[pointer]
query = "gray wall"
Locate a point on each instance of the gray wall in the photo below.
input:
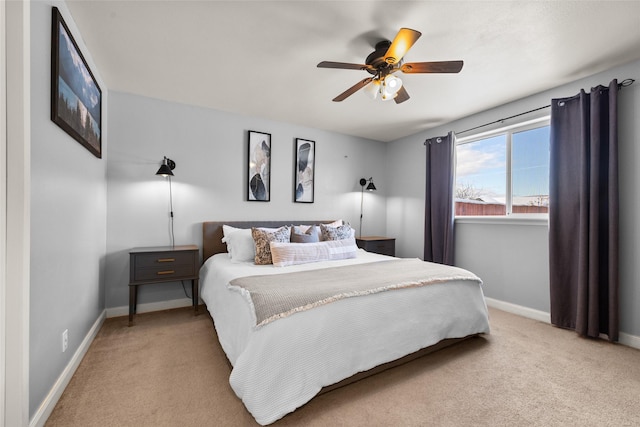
(513, 271)
(510, 258)
(210, 150)
(68, 221)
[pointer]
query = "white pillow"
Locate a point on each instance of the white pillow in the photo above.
(240, 245)
(284, 254)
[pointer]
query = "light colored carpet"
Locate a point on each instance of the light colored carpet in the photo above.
(169, 370)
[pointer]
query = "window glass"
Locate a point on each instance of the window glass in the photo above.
(481, 172)
(530, 171)
(505, 173)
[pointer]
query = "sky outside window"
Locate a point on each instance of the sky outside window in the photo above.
(482, 166)
(530, 154)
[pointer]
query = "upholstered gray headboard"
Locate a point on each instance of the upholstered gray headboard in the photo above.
(212, 232)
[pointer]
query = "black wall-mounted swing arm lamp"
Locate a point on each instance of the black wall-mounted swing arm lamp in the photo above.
(370, 187)
(167, 166)
(166, 170)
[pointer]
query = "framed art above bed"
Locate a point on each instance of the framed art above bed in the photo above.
(303, 189)
(259, 167)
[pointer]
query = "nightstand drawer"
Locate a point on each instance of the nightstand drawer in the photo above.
(163, 259)
(387, 248)
(163, 272)
(378, 244)
(150, 265)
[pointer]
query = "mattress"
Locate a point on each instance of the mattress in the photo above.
(280, 366)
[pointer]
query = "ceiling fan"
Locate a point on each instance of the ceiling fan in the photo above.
(384, 61)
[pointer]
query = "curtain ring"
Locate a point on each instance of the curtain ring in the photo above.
(438, 140)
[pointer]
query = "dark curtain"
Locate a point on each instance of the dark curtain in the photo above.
(583, 212)
(438, 217)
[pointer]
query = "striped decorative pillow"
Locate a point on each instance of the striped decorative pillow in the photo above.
(284, 254)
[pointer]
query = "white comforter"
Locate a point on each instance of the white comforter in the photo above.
(281, 366)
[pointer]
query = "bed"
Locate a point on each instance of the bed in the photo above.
(280, 362)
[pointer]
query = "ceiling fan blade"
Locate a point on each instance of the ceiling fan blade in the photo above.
(405, 38)
(353, 89)
(343, 65)
(432, 67)
(401, 96)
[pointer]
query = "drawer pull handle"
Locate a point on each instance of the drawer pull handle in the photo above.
(166, 272)
(166, 259)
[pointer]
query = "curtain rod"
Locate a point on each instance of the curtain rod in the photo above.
(502, 120)
(624, 83)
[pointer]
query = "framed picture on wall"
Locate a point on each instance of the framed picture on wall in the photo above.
(304, 171)
(76, 98)
(259, 167)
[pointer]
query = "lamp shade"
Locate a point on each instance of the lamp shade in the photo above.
(167, 166)
(390, 87)
(371, 186)
(373, 88)
(392, 84)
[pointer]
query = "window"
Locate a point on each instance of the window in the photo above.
(504, 172)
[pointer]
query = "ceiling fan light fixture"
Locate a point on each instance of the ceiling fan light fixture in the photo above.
(392, 84)
(373, 88)
(387, 96)
(390, 87)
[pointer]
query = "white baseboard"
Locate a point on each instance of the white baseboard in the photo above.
(623, 338)
(630, 340)
(519, 310)
(45, 409)
(148, 307)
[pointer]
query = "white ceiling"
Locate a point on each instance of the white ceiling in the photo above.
(259, 57)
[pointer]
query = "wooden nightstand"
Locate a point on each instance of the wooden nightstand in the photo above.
(162, 264)
(377, 244)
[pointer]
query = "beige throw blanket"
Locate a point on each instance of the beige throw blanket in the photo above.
(280, 295)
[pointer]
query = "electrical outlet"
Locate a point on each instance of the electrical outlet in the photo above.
(65, 340)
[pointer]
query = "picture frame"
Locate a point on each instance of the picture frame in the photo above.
(304, 171)
(76, 97)
(259, 167)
